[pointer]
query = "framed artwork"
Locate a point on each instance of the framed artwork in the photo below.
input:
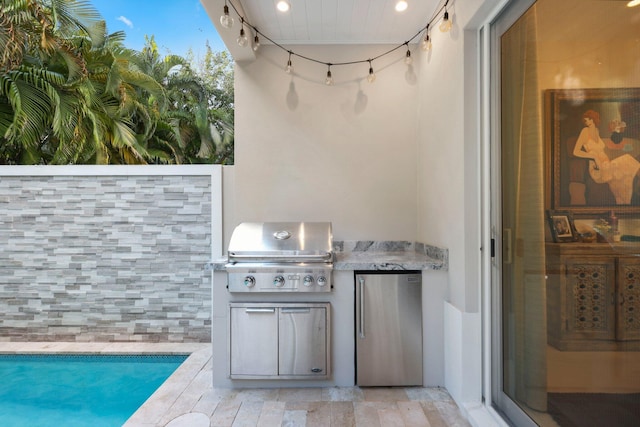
(593, 150)
(562, 227)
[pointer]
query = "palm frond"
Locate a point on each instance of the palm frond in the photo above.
(74, 15)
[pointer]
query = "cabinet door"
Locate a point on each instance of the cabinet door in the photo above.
(254, 341)
(628, 325)
(590, 292)
(303, 341)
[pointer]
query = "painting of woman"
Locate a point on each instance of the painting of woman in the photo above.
(619, 173)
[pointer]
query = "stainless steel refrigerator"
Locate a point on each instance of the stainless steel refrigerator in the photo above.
(388, 329)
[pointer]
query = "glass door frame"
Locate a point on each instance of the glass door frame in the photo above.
(495, 397)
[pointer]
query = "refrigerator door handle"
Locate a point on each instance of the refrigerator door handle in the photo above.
(361, 326)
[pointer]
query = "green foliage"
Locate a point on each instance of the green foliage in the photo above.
(70, 93)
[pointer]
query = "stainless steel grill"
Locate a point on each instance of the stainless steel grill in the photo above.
(281, 257)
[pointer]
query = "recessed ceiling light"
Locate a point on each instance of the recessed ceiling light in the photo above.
(401, 6)
(633, 3)
(283, 6)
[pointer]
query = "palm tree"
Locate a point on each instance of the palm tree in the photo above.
(71, 93)
(42, 71)
(71, 98)
(216, 72)
(195, 139)
(133, 101)
(43, 27)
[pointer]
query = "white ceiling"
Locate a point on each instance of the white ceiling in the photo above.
(325, 21)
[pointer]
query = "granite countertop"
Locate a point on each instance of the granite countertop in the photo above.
(379, 255)
(386, 261)
(388, 255)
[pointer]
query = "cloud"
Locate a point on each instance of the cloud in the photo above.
(126, 21)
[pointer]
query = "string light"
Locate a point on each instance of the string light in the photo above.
(372, 76)
(289, 68)
(407, 57)
(227, 22)
(426, 42)
(329, 80)
(242, 38)
(446, 22)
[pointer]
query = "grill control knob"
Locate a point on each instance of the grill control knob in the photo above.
(322, 281)
(308, 280)
(249, 281)
(278, 281)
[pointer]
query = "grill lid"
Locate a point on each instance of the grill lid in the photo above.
(281, 242)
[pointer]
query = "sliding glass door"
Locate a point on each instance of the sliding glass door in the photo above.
(566, 174)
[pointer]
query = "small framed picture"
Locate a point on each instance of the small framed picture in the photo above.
(562, 227)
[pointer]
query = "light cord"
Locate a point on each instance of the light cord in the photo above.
(334, 64)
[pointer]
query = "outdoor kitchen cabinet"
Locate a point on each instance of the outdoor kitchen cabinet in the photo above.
(254, 340)
(279, 340)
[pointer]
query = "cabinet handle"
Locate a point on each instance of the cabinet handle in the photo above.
(260, 310)
(295, 310)
(316, 370)
(361, 281)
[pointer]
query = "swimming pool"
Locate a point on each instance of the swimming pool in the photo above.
(78, 390)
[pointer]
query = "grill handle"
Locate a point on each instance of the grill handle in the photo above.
(326, 256)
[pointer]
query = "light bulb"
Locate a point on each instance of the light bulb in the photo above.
(372, 76)
(426, 43)
(289, 68)
(408, 59)
(633, 3)
(401, 6)
(329, 80)
(256, 43)
(445, 25)
(283, 6)
(242, 38)
(225, 20)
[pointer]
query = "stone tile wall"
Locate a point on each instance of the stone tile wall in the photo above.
(105, 258)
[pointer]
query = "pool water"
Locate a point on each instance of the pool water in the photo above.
(78, 390)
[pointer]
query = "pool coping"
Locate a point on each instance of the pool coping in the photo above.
(153, 410)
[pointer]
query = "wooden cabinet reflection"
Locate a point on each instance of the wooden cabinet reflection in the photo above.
(593, 296)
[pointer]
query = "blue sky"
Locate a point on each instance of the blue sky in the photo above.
(176, 24)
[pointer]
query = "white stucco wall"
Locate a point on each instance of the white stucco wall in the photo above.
(448, 151)
(449, 191)
(344, 153)
(441, 155)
